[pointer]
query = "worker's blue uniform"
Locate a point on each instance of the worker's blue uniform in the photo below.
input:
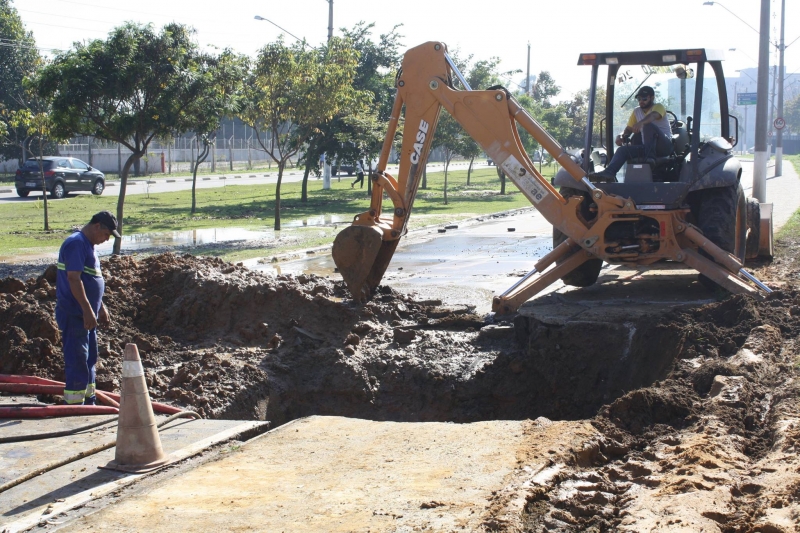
(77, 254)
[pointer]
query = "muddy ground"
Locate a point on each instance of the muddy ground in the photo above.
(698, 425)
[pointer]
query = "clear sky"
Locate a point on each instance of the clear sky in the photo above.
(558, 31)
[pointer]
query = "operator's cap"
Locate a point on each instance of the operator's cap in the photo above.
(645, 90)
(108, 220)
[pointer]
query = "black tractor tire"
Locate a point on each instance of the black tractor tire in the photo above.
(753, 228)
(721, 215)
(59, 191)
(23, 194)
(98, 187)
(587, 273)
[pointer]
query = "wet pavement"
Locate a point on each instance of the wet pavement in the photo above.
(467, 263)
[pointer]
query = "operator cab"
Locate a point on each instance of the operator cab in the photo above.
(691, 86)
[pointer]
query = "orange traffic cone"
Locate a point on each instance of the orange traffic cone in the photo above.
(138, 444)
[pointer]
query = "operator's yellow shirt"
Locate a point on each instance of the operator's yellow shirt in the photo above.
(662, 123)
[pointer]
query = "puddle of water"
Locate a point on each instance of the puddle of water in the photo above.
(465, 259)
(196, 237)
(140, 241)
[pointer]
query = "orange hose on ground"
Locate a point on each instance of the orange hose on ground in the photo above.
(108, 398)
(56, 410)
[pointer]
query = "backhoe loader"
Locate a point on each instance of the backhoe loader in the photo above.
(687, 207)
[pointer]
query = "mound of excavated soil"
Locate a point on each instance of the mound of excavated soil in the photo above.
(229, 342)
(713, 446)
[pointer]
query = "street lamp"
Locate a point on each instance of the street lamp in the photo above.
(745, 55)
(732, 13)
(257, 17)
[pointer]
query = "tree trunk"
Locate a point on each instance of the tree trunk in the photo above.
(281, 166)
(369, 180)
(123, 184)
(44, 186)
(502, 176)
(469, 169)
(446, 166)
(304, 186)
(200, 158)
(310, 155)
(424, 176)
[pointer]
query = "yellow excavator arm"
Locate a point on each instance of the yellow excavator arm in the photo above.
(362, 252)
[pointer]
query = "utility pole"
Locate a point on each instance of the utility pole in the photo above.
(528, 78)
(760, 156)
(771, 119)
(781, 68)
(330, 20)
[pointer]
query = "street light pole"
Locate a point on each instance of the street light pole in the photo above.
(257, 17)
(760, 156)
(779, 135)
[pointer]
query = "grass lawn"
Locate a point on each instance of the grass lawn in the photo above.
(251, 207)
(791, 230)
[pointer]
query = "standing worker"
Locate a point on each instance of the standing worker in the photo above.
(79, 305)
(359, 175)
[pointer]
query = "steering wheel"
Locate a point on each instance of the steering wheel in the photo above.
(672, 119)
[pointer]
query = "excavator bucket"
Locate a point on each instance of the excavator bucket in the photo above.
(354, 252)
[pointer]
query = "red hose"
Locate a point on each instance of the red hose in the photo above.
(11, 378)
(109, 398)
(104, 399)
(56, 410)
(31, 388)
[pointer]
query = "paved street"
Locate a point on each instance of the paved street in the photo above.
(239, 177)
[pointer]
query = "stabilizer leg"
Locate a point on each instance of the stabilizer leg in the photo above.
(509, 301)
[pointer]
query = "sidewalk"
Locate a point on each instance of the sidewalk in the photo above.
(783, 192)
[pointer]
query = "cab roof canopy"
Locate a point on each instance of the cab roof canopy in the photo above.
(654, 57)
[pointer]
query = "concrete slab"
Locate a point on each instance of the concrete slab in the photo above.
(621, 294)
(338, 474)
(33, 497)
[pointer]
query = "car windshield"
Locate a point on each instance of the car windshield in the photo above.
(676, 94)
(33, 164)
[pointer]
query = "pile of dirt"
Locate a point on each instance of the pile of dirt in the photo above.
(229, 342)
(712, 446)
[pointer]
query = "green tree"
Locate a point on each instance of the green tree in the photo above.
(290, 92)
(448, 137)
(545, 88)
(577, 114)
(358, 132)
(19, 59)
(791, 112)
(218, 99)
(131, 88)
(37, 126)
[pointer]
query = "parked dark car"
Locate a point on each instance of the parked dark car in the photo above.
(62, 175)
(344, 168)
